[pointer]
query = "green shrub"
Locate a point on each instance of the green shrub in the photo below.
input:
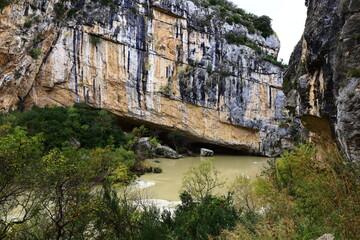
(231, 38)
(351, 94)
(236, 18)
(133, 9)
(35, 53)
(4, 3)
(213, 2)
(263, 24)
(286, 85)
(317, 193)
(72, 13)
(273, 60)
(60, 125)
(59, 9)
(167, 90)
(354, 73)
(28, 23)
(199, 220)
(284, 125)
(230, 20)
(18, 73)
(95, 39)
(37, 19)
(157, 170)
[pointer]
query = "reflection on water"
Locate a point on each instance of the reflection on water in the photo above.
(167, 184)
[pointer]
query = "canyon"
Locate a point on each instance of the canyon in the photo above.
(165, 63)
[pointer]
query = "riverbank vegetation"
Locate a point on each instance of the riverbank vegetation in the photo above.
(65, 174)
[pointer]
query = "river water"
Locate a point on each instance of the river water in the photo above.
(165, 187)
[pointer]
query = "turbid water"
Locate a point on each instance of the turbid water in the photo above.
(167, 185)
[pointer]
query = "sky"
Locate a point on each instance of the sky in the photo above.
(288, 20)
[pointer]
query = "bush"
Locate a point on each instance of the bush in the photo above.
(28, 23)
(236, 18)
(213, 2)
(167, 90)
(263, 24)
(231, 38)
(199, 220)
(201, 181)
(273, 60)
(230, 20)
(59, 9)
(4, 4)
(95, 40)
(354, 73)
(320, 193)
(35, 53)
(157, 170)
(72, 13)
(77, 125)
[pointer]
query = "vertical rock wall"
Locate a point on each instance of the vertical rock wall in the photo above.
(161, 62)
(323, 80)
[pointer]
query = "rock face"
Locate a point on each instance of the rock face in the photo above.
(206, 152)
(161, 62)
(323, 80)
(167, 152)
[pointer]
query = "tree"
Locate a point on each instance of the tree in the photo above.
(201, 181)
(19, 163)
(178, 140)
(263, 24)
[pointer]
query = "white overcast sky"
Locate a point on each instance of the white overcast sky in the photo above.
(288, 20)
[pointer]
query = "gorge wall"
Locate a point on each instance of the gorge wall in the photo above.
(323, 80)
(167, 62)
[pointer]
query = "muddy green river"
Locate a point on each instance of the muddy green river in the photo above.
(166, 185)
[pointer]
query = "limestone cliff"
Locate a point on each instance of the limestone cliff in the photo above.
(323, 80)
(172, 63)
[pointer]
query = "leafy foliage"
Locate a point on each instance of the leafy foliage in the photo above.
(198, 220)
(35, 53)
(304, 197)
(354, 73)
(202, 180)
(263, 24)
(4, 3)
(77, 125)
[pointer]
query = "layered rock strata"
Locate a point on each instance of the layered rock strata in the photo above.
(161, 62)
(323, 80)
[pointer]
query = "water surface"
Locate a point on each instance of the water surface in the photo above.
(166, 185)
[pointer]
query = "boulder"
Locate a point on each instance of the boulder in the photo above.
(326, 237)
(167, 152)
(206, 152)
(143, 147)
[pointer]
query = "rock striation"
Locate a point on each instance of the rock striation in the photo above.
(323, 80)
(166, 63)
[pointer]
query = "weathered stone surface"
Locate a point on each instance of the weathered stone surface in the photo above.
(324, 75)
(156, 63)
(144, 148)
(167, 152)
(326, 237)
(206, 152)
